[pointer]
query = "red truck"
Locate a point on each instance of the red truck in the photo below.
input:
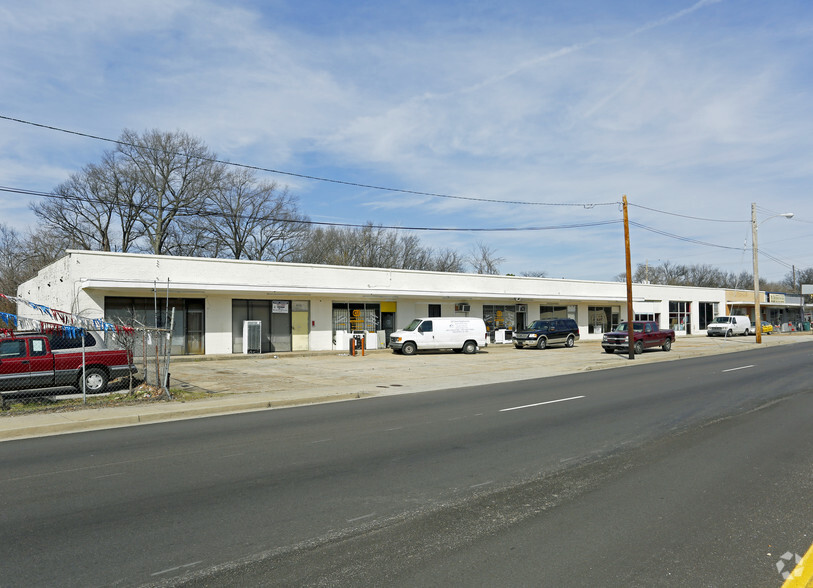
(647, 334)
(34, 360)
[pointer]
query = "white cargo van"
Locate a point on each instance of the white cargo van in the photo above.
(457, 333)
(726, 326)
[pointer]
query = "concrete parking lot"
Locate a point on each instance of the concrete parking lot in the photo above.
(238, 382)
(382, 372)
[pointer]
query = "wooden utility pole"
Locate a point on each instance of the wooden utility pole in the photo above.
(630, 315)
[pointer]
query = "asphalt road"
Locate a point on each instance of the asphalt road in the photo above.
(684, 473)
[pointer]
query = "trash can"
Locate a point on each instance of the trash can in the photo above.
(806, 325)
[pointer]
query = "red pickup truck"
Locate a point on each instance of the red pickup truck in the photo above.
(647, 334)
(30, 361)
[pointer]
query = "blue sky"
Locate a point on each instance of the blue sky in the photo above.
(692, 108)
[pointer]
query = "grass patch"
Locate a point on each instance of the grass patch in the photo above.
(55, 403)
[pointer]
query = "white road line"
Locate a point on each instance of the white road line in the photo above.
(176, 568)
(540, 403)
(367, 516)
(745, 367)
(483, 484)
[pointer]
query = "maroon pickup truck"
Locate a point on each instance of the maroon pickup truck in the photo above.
(30, 361)
(646, 333)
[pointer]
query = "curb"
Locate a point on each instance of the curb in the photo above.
(191, 412)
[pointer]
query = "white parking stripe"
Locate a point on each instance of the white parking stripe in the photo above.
(745, 367)
(540, 403)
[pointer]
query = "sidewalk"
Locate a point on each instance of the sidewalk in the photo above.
(238, 383)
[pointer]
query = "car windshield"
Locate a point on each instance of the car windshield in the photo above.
(413, 325)
(538, 326)
(637, 327)
(721, 319)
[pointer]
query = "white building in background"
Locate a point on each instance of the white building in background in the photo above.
(314, 307)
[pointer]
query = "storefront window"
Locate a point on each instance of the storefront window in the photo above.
(602, 319)
(356, 316)
(499, 316)
(275, 315)
(680, 318)
(551, 312)
(706, 311)
(188, 322)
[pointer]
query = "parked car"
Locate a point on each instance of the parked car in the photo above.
(28, 361)
(461, 334)
(646, 334)
(726, 326)
(767, 328)
(545, 332)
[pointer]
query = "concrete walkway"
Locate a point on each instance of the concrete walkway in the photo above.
(240, 383)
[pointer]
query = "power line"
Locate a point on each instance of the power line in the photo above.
(203, 212)
(707, 244)
(586, 205)
(698, 218)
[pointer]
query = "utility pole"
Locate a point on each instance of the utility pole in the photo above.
(757, 312)
(630, 316)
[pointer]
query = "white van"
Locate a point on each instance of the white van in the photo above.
(725, 326)
(457, 333)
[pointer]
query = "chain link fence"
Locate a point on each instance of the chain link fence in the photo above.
(45, 364)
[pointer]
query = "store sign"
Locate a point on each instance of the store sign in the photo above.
(776, 298)
(279, 306)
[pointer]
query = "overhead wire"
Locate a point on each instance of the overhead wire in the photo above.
(203, 212)
(307, 176)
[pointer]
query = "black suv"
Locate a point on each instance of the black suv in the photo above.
(546, 332)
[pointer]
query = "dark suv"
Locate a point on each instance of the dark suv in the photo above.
(546, 332)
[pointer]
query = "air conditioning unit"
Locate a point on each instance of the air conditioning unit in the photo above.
(462, 307)
(252, 336)
(522, 308)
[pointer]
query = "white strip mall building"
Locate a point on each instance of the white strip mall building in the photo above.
(299, 307)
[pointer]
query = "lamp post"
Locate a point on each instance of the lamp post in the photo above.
(754, 225)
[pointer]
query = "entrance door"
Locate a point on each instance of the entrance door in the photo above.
(280, 336)
(299, 329)
(388, 325)
(194, 331)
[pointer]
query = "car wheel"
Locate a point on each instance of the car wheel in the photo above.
(571, 341)
(728, 333)
(609, 350)
(746, 333)
(469, 347)
(409, 349)
(638, 348)
(95, 381)
(542, 343)
(518, 346)
(667, 345)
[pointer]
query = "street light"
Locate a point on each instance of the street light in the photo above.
(754, 225)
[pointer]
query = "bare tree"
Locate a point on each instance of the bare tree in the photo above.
(446, 260)
(534, 274)
(11, 267)
(254, 220)
(483, 260)
(374, 246)
(83, 211)
(175, 174)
